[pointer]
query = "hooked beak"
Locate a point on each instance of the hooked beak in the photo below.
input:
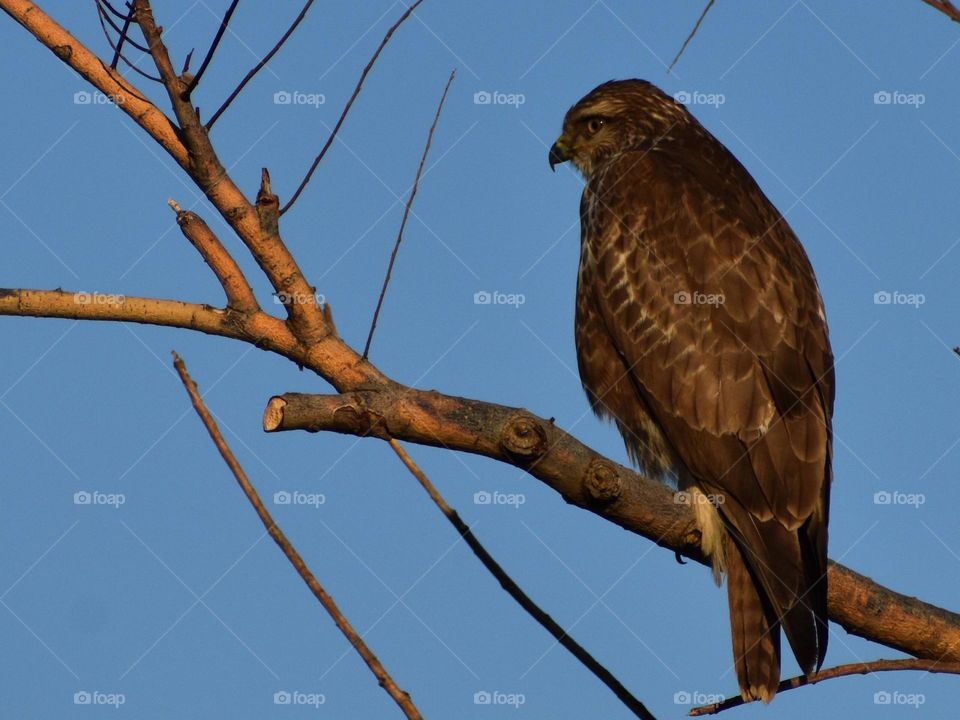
(559, 153)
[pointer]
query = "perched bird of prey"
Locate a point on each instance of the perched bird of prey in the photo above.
(701, 333)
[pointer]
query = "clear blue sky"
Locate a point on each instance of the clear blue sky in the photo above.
(178, 601)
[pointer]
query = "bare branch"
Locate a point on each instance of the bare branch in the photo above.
(213, 48)
(108, 81)
(346, 108)
(399, 696)
(517, 593)
(406, 214)
(256, 227)
(238, 291)
(692, 33)
(946, 7)
(862, 668)
(587, 479)
(260, 65)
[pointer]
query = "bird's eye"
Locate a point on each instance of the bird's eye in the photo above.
(594, 125)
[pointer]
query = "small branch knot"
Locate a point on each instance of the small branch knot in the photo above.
(524, 437)
(602, 482)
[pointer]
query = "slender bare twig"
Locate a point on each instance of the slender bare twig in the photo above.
(517, 593)
(692, 33)
(946, 7)
(861, 668)
(346, 108)
(399, 696)
(124, 36)
(406, 214)
(213, 48)
(259, 66)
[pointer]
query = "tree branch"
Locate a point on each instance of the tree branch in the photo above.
(863, 668)
(586, 479)
(406, 214)
(399, 696)
(239, 293)
(517, 593)
(346, 108)
(260, 65)
(946, 7)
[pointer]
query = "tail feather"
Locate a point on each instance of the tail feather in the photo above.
(755, 630)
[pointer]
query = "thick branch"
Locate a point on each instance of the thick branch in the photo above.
(108, 81)
(587, 479)
(238, 291)
(208, 173)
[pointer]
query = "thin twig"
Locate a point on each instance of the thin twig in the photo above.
(383, 677)
(946, 7)
(406, 214)
(346, 108)
(692, 33)
(124, 36)
(213, 48)
(514, 590)
(259, 66)
(861, 668)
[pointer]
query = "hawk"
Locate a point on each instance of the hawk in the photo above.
(701, 333)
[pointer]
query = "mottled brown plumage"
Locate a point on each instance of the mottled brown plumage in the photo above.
(701, 333)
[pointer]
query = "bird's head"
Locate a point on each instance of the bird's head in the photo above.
(617, 116)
